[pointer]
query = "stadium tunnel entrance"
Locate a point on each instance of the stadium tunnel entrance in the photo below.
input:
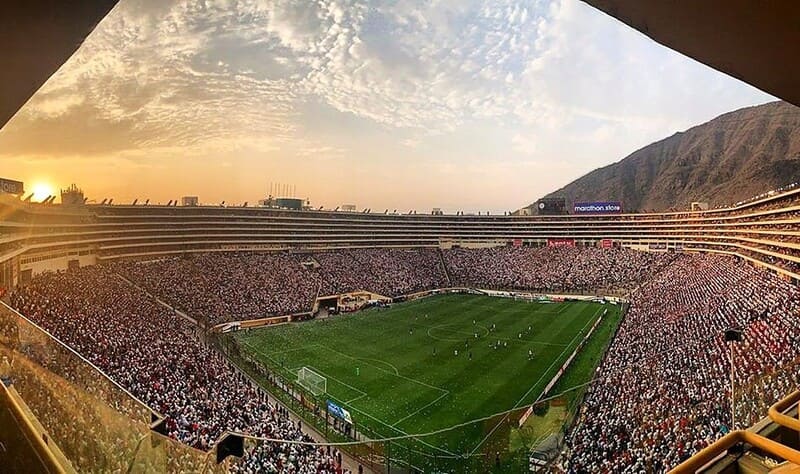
(349, 302)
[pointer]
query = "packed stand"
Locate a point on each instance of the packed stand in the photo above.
(568, 269)
(152, 353)
(662, 391)
(225, 287)
(228, 286)
(388, 272)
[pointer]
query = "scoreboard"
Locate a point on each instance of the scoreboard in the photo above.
(551, 206)
(11, 187)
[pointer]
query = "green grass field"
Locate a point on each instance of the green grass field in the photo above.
(396, 370)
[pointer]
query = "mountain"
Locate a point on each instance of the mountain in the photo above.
(733, 157)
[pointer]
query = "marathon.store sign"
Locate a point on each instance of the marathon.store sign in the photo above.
(611, 207)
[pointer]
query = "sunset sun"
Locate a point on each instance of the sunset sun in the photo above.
(41, 190)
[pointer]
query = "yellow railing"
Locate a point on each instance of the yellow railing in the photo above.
(48, 455)
(95, 423)
(722, 445)
(777, 413)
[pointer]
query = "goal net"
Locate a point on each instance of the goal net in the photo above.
(312, 381)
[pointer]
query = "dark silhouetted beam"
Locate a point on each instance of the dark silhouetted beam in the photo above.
(37, 37)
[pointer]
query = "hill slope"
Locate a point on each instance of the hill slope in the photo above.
(733, 157)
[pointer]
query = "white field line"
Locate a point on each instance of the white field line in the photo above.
(367, 395)
(417, 411)
(516, 405)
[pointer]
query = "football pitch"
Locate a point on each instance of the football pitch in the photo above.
(430, 364)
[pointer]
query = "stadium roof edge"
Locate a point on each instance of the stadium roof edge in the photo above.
(751, 41)
(38, 36)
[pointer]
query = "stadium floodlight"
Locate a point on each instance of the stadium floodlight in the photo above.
(312, 381)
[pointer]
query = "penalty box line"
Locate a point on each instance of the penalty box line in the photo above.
(392, 427)
(444, 392)
(419, 382)
(361, 392)
(396, 374)
(398, 430)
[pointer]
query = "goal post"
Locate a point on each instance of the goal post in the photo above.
(312, 381)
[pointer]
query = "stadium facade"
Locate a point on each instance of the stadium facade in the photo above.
(38, 238)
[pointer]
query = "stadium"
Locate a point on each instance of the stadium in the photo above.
(213, 338)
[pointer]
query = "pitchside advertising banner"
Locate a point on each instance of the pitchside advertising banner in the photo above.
(605, 207)
(339, 412)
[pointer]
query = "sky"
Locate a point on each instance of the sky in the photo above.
(398, 104)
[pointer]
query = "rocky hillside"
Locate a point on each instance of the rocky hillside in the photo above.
(733, 157)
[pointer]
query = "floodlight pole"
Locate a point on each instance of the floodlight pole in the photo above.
(733, 396)
(733, 335)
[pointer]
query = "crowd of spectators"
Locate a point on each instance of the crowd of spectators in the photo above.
(238, 286)
(387, 272)
(565, 268)
(228, 286)
(154, 354)
(225, 287)
(662, 392)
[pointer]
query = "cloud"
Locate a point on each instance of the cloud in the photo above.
(523, 144)
(359, 82)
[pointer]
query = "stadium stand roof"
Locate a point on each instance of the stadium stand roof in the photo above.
(756, 42)
(37, 37)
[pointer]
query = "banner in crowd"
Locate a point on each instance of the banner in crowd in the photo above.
(605, 207)
(560, 242)
(517, 242)
(339, 412)
(606, 243)
(660, 247)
